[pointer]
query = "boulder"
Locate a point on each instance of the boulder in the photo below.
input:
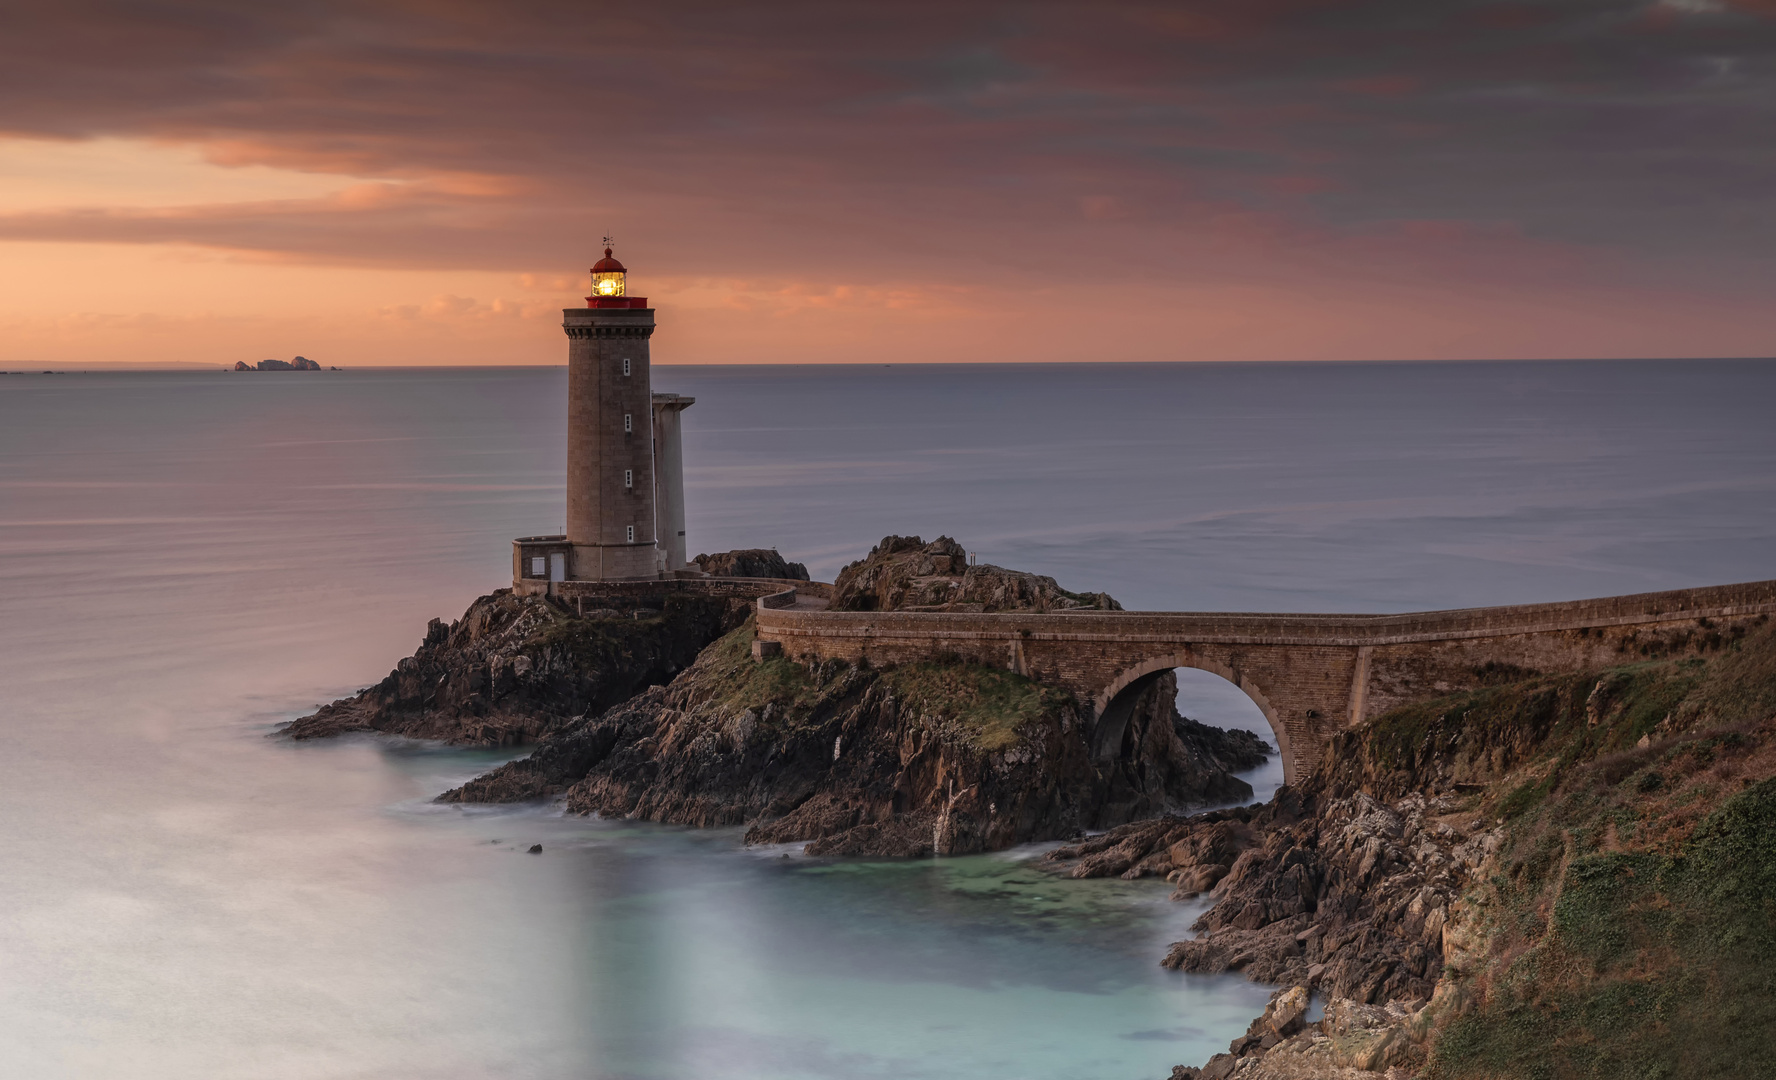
(1284, 1016)
(751, 562)
(1220, 1067)
(904, 573)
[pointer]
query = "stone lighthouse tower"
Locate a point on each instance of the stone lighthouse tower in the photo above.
(610, 439)
(623, 486)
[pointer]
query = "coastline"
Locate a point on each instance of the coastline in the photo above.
(1361, 888)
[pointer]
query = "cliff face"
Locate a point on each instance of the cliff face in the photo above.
(513, 669)
(1552, 877)
(940, 757)
(1629, 914)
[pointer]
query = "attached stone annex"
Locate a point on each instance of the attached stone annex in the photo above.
(1310, 674)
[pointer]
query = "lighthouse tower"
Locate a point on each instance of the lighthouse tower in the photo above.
(623, 486)
(610, 438)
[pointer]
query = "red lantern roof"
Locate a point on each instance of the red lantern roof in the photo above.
(607, 264)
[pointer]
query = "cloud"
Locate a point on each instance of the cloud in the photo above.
(847, 160)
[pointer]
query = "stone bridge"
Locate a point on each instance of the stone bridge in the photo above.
(1310, 674)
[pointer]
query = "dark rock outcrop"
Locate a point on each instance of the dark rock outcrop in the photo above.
(751, 562)
(903, 573)
(514, 668)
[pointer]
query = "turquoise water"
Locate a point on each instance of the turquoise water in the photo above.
(188, 559)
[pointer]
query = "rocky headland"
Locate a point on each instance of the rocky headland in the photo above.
(941, 757)
(664, 714)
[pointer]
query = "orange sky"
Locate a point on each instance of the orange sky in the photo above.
(420, 182)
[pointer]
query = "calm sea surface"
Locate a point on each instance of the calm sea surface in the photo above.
(187, 560)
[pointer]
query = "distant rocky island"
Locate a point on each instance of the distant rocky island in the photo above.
(299, 363)
(1544, 874)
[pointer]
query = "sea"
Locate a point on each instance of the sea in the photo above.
(190, 559)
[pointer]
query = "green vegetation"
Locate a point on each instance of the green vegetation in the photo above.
(991, 703)
(1649, 965)
(746, 683)
(1631, 917)
(581, 637)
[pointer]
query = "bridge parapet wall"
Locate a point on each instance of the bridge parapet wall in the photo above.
(654, 590)
(1310, 673)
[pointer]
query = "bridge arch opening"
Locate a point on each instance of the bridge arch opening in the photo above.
(1210, 699)
(1209, 693)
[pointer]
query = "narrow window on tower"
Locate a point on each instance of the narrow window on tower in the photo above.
(625, 365)
(628, 423)
(632, 534)
(628, 478)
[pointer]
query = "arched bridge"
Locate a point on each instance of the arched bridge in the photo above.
(1310, 674)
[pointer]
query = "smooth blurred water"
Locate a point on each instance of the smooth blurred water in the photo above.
(188, 559)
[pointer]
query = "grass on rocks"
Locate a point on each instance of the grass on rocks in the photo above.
(991, 703)
(750, 684)
(1639, 963)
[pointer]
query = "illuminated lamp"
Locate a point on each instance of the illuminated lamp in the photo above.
(607, 277)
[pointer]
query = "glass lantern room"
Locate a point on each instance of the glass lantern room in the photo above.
(607, 277)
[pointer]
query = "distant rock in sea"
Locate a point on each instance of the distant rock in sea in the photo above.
(300, 363)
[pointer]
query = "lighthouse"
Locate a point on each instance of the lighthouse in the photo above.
(625, 485)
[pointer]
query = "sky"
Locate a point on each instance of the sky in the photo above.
(421, 182)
